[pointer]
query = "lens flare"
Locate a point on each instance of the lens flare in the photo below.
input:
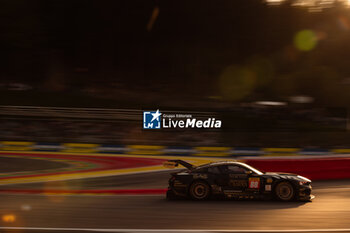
(305, 40)
(26, 207)
(8, 218)
(237, 83)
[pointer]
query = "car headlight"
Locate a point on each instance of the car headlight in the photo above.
(304, 178)
(303, 182)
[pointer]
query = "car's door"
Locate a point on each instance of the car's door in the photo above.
(236, 177)
(218, 177)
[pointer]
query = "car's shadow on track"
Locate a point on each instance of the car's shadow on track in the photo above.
(257, 204)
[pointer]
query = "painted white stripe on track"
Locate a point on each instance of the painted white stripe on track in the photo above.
(170, 230)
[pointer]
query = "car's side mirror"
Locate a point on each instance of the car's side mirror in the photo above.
(248, 172)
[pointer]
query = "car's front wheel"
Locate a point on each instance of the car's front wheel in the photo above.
(284, 191)
(199, 190)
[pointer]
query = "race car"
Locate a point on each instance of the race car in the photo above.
(230, 179)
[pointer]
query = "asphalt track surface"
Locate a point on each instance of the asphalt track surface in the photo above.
(329, 210)
(152, 180)
(10, 164)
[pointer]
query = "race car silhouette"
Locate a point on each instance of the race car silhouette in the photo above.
(235, 180)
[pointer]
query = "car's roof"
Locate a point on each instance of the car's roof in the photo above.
(220, 163)
(213, 164)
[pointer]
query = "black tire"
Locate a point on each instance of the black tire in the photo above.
(199, 191)
(284, 191)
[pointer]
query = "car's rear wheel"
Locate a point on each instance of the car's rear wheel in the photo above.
(284, 191)
(199, 190)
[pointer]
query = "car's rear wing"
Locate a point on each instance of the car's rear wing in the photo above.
(175, 163)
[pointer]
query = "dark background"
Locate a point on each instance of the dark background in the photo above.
(90, 45)
(218, 56)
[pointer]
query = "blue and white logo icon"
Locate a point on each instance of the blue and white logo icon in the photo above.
(151, 120)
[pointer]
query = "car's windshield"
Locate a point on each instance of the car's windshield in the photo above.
(256, 171)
